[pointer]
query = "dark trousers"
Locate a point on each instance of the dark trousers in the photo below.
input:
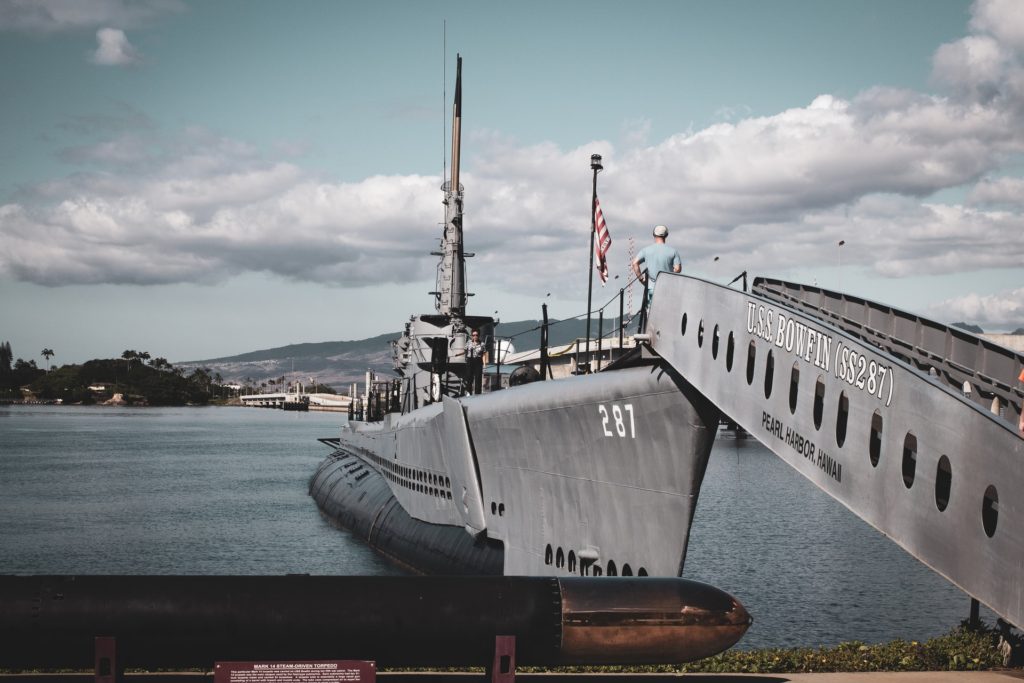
(476, 375)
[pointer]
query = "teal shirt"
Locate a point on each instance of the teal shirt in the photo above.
(656, 258)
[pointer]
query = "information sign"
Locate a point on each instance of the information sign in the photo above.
(315, 671)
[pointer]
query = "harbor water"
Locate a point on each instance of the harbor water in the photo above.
(218, 490)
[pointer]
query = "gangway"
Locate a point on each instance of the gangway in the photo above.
(909, 424)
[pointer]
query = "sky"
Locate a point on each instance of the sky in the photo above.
(202, 179)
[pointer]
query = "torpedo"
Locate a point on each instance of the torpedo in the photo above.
(194, 621)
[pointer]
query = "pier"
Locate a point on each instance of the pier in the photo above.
(328, 402)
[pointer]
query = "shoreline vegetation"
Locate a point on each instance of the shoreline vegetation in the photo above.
(134, 379)
(965, 648)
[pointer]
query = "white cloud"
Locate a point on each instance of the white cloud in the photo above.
(113, 48)
(1006, 191)
(50, 16)
(986, 67)
(767, 193)
(973, 65)
(1003, 311)
(1002, 19)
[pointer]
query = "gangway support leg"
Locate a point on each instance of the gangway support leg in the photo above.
(975, 618)
(503, 667)
(106, 667)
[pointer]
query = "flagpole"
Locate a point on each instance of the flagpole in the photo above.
(595, 164)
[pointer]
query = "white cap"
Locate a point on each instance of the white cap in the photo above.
(660, 231)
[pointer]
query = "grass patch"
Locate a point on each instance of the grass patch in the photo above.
(965, 648)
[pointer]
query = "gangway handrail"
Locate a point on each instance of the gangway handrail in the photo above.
(949, 354)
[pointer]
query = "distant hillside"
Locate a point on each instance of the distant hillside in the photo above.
(973, 329)
(312, 349)
(339, 363)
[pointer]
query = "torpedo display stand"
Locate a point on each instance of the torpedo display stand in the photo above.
(314, 671)
(107, 670)
(503, 667)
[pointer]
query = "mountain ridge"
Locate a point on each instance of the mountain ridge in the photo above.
(339, 363)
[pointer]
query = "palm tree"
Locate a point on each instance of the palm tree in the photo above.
(129, 355)
(48, 354)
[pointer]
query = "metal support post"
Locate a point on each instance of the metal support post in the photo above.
(544, 369)
(622, 317)
(595, 164)
(503, 668)
(106, 668)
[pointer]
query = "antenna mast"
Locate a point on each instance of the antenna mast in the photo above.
(451, 290)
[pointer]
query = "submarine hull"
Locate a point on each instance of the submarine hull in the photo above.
(576, 477)
(355, 497)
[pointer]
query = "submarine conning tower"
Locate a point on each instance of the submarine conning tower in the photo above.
(430, 355)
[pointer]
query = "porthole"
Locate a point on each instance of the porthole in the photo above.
(751, 356)
(769, 373)
(682, 326)
(611, 568)
(501, 509)
(714, 343)
(641, 572)
(572, 561)
(626, 571)
(700, 334)
(730, 346)
(842, 414)
(494, 508)
(875, 443)
(909, 459)
(559, 559)
(549, 555)
(943, 483)
(990, 511)
(794, 384)
(819, 401)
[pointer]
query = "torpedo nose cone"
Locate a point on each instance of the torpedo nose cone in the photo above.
(647, 620)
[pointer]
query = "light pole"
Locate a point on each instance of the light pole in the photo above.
(595, 165)
(839, 250)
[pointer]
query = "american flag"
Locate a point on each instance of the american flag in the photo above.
(602, 243)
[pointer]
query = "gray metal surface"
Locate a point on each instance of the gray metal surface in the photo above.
(591, 475)
(460, 464)
(597, 473)
(935, 472)
(983, 371)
